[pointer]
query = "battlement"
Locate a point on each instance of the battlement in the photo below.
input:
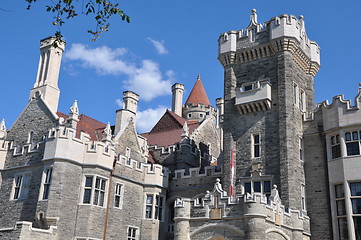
(282, 33)
(24, 230)
(339, 113)
(198, 172)
(154, 174)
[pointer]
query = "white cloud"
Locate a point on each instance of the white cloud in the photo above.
(159, 46)
(148, 118)
(146, 80)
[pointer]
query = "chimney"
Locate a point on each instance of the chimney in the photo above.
(177, 98)
(123, 116)
(46, 84)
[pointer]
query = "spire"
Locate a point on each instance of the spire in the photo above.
(198, 94)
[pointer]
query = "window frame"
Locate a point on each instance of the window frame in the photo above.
(20, 190)
(154, 210)
(335, 143)
(119, 194)
(354, 141)
(256, 146)
(95, 191)
(130, 230)
(46, 180)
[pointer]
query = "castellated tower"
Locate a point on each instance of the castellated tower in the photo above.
(46, 83)
(269, 74)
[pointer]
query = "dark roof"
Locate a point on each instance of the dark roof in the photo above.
(198, 94)
(88, 125)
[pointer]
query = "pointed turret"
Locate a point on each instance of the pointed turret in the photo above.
(197, 106)
(198, 95)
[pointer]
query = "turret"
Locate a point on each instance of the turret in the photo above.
(73, 115)
(46, 83)
(197, 107)
(269, 74)
(177, 98)
(123, 116)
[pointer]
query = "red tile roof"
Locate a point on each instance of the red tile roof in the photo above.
(88, 125)
(168, 130)
(198, 94)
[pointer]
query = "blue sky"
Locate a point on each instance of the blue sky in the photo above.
(166, 42)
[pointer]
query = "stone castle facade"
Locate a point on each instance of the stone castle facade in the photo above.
(263, 164)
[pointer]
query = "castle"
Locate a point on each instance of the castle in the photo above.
(263, 164)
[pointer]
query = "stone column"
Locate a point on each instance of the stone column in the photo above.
(181, 219)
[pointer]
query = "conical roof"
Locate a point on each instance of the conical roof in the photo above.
(198, 94)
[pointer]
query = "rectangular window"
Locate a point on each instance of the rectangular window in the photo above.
(46, 182)
(335, 146)
(149, 206)
(302, 102)
(301, 148)
(94, 190)
(341, 212)
(258, 186)
(118, 197)
(352, 143)
(256, 145)
(295, 94)
(303, 197)
(247, 188)
(154, 204)
(127, 155)
(132, 233)
(21, 186)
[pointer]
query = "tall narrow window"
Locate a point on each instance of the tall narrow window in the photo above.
(46, 182)
(118, 197)
(21, 186)
(149, 206)
(303, 197)
(341, 212)
(256, 145)
(127, 155)
(352, 143)
(159, 208)
(99, 192)
(132, 233)
(335, 146)
(302, 101)
(295, 94)
(301, 148)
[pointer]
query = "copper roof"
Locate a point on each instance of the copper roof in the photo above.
(168, 130)
(198, 94)
(88, 125)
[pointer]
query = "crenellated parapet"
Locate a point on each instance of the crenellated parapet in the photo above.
(338, 113)
(154, 174)
(258, 214)
(282, 33)
(211, 171)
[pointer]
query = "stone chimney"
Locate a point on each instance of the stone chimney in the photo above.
(123, 116)
(177, 98)
(46, 83)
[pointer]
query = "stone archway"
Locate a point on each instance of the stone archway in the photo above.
(217, 231)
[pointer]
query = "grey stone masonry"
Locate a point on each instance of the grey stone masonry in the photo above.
(268, 86)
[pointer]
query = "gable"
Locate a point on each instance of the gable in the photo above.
(129, 139)
(168, 122)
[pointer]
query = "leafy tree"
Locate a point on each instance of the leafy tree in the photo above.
(102, 10)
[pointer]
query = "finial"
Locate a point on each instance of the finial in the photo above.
(300, 17)
(199, 77)
(74, 108)
(2, 125)
(185, 130)
(107, 134)
(254, 17)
